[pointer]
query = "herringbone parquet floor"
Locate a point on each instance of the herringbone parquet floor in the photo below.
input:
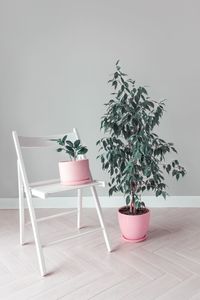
(164, 267)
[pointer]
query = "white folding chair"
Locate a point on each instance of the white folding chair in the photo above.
(46, 188)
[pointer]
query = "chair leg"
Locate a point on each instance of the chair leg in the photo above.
(100, 216)
(36, 234)
(21, 207)
(21, 217)
(79, 208)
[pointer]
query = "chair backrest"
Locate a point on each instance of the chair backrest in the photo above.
(37, 142)
(43, 141)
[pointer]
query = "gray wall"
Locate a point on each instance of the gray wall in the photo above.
(55, 60)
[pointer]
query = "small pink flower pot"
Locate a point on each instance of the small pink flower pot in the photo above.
(74, 172)
(134, 227)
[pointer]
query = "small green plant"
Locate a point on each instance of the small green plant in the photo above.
(73, 149)
(131, 152)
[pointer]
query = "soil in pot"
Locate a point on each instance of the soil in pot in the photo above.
(126, 210)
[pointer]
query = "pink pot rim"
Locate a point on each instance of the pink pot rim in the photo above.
(72, 161)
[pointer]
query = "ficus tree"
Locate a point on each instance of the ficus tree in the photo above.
(131, 151)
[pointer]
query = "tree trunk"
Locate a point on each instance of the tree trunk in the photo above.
(132, 205)
(132, 202)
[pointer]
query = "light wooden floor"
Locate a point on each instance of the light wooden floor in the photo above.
(165, 267)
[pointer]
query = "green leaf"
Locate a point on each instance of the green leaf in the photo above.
(174, 149)
(174, 172)
(114, 84)
(77, 143)
(144, 188)
(168, 168)
(64, 139)
(69, 143)
(116, 75)
(59, 141)
(183, 173)
(68, 148)
(158, 193)
(106, 165)
(59, 149)
(102, 159)
(144, 90)
(110, 192)
(82, 151)
(104, 144)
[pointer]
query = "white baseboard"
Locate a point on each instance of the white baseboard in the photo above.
(70, 202)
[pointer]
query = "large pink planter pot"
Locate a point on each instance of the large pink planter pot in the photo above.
(74, 172)
(134, 227)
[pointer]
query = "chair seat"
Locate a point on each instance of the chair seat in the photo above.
(45, 188)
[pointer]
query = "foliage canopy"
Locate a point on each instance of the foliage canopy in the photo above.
(131, 152)
(72, 149)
